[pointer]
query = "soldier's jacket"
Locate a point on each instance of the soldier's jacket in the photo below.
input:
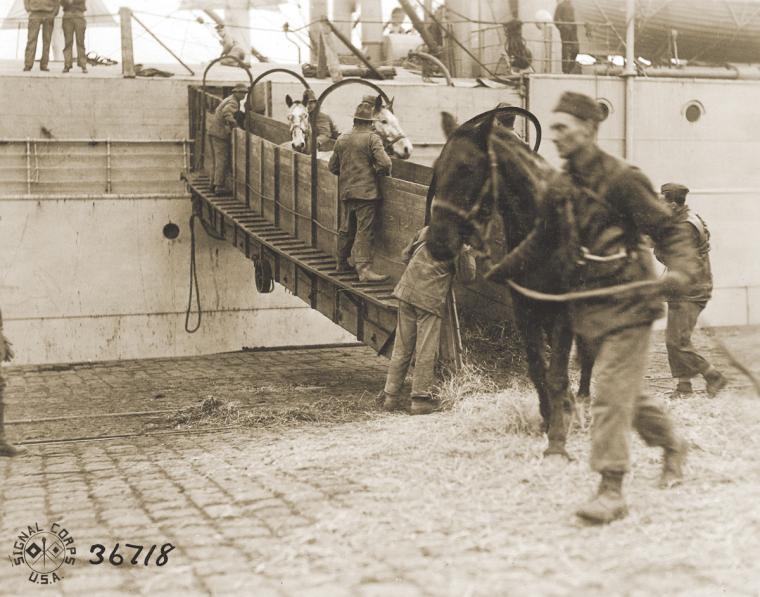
(701, 288)
(603, 207)
(50, 6)
(326, 126)
(425, 282)
(222, 121)
(74, 7)
(358, 158)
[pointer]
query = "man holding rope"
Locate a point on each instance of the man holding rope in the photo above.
(595, 212)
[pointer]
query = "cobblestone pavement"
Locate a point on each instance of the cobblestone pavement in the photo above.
(381, 504)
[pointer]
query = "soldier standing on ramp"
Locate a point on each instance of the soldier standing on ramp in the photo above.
(220, 128)
(595, 213)
(684, 308)
(358, 159)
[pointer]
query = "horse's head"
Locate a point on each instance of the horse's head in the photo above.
(298, 120)
(460, 176)
(479, 166)
(387, 126)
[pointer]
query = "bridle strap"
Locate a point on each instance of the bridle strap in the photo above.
(393, 140)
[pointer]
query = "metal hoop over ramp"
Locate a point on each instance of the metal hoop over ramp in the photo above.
(240, 64)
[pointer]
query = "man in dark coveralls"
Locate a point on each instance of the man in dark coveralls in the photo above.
(684, 308)
(564, 20)
(595, 212)
(359, 159)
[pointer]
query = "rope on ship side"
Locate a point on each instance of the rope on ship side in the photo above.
(194, 276)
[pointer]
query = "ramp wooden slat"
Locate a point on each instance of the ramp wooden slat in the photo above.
(364, 309)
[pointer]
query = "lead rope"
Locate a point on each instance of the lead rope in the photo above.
(194, 276)
(609, 291)
(193, 283)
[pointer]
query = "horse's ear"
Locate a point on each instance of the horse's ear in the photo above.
(378, 103)
(288, 100)
(390, 104)
(448, 123)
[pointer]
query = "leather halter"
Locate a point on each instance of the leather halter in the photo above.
(482, 209)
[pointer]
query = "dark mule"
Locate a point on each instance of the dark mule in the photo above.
(483, 168)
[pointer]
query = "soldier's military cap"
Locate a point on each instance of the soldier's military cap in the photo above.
(363, 112)
(240, 87)
(309, 96)
(673, 188)
(579, 105)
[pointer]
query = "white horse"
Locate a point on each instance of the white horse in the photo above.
(298, 120)
(396, 143)
(385, 123)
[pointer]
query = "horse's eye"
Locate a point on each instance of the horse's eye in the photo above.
(384, 121)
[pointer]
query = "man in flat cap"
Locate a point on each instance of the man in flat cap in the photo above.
(221, 124)
(327, 132)
(594, 215)
(359, 159)
(684, 307)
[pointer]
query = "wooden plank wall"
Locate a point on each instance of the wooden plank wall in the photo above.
(283, 178)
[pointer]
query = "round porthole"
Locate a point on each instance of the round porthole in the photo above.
(606, 107)
(693, 111)
(171, 231)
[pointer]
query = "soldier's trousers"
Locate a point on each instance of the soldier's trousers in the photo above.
(219, 157)
(357, 230)
(38, 19)
(619, 404)
(684, 360)
(417, 331)
(74, 26)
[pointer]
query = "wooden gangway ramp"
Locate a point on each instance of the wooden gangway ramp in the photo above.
(367, 310)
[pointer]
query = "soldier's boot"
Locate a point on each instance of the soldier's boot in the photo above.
(608, 504)
(367, 275)
(424, 405)
(716, 381)
(344, 265)
(672, 464)
(683, 390)
(390, 402)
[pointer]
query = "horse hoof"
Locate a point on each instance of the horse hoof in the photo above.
(556, 455)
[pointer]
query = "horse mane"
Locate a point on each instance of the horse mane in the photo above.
(519, 164)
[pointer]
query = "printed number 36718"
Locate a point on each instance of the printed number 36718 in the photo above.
(117, 559)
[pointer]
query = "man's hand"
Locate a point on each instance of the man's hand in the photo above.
(675, 283)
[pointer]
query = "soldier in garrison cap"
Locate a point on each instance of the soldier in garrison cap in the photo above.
(221, 124)
(684, 307)
(594, 215)
(359, 159)
(327, 132)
